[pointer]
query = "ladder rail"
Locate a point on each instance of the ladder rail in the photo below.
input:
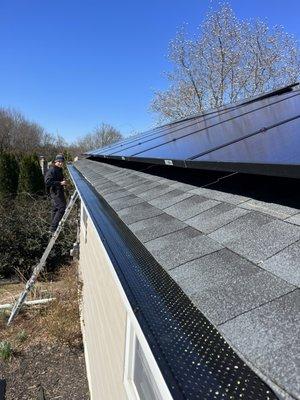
(40, 266)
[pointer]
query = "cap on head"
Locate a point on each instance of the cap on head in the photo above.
(60, 158)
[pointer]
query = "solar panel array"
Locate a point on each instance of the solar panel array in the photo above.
(260, 135)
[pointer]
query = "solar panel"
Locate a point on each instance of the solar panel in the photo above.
(107, 149)
(165, 129)
(272, 151)
(262, 130)
(136, 140)
(273, 144)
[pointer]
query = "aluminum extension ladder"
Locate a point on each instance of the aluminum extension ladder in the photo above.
(40, 266)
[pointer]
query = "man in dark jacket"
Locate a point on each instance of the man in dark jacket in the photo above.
(55, 182)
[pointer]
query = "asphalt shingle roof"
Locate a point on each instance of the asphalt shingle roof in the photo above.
(236, 257)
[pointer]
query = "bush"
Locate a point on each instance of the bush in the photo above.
(9, 176)
(22, 336)
(4, 315)
(24, 235)
(62, 318)
(5, 350)
(31, 179)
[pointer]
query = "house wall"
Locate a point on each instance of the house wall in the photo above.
(104, 318)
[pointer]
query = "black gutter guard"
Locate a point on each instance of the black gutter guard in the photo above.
(194, 359)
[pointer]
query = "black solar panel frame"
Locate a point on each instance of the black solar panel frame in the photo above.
(190, 162)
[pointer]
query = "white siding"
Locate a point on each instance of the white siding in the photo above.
(104, 320)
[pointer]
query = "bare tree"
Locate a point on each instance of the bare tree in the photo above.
(26, 137)
(20, 136)
(23, 137)
(6, 127)
(17, 134)
(228, 60)
(102, 135)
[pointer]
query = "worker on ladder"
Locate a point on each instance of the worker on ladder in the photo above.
(55, 183)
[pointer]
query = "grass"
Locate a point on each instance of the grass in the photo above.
(5, 351)
(62, 317)
(4, 315)
(22, 336)
(57, 321)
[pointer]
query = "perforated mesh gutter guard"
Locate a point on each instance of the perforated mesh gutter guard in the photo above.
(196, 362)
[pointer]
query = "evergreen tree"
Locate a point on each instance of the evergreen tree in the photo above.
(9, 175)
(31, 177)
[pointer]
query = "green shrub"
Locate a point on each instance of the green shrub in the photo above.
(31, 179)
(4, 314)
(22, 336)
(5, 350)
(24, 236)
(9, 176)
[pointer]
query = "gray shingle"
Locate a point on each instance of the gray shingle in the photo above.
(109, 170)
(159, 179)
(117, 194)
(105, 174)
(155, 192)
(275, 210)
(260, 242)
(81, 165)
(127, 182)
(224, 285)
(245, 225)
(182, 186)
(184, 250)
(138, 212)
(130, 188)
(101, 186)
(295, 219)
(269, 330)
(135, 184)
(99, 180)
(257, 236)
(159, 243)
(139, 174)
(283, 367)
(139, 189)
(116, 174)
(152, 228)
(286, 264)
(109, 187)
(130, 180)
(125, 202)
(190, 207)
(170, 198)
(126, 176)
(216, 217)
(220, 196)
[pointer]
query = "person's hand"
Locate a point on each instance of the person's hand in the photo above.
(63, 183)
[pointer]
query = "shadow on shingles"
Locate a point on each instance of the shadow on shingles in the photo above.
(283, 191)
(265, 188)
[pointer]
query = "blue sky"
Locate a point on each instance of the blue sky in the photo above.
(70, 65)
